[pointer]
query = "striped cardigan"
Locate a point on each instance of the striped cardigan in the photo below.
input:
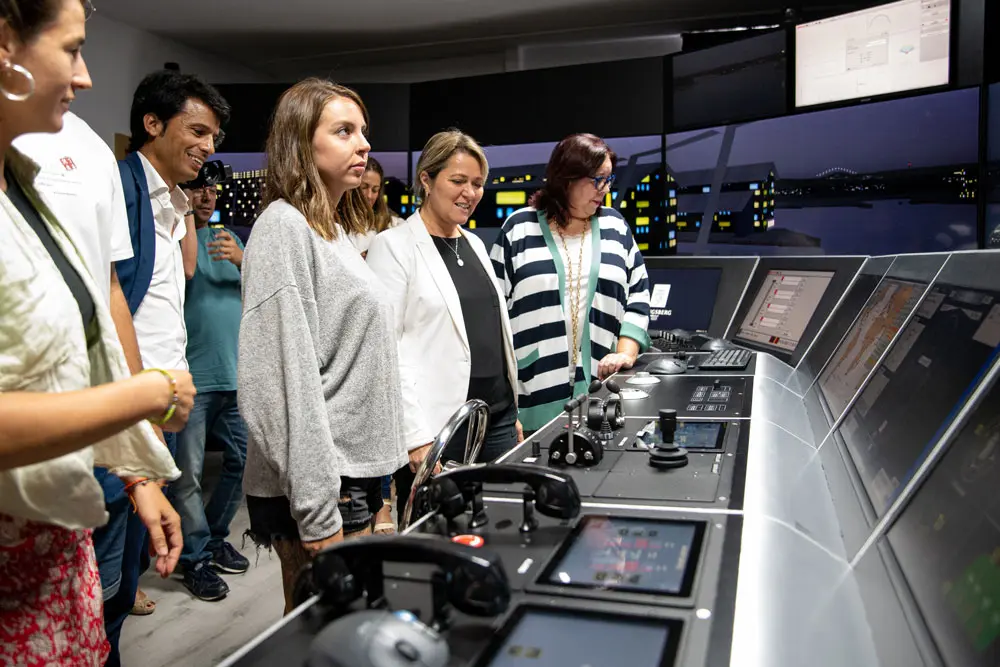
(531, 272)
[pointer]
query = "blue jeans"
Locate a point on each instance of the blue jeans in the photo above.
(205, 528)
(122, 549)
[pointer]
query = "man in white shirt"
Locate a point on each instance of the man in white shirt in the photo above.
(175, 125)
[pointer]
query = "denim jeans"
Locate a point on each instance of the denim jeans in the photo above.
(122, 550)
(215, 415)
(500, 439)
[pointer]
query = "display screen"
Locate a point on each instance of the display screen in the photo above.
(640, 555)
(699, 435)
(783, 307)
(839, 323)
(886, 49)
(682, 298)
(564, 638)
(947, 543)
(939, 357)
(859, 351)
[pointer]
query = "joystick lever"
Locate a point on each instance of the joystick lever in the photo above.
(665, 454)
(529, 522)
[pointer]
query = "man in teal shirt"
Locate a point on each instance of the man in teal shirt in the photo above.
(212, 312)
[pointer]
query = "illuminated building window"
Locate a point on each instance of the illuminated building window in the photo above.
(673, 242)
(405, 199)
(642, 204)
(706, 189)
(672, 234)
(673, 202)
(646, 180)
(472, 224)
(512, 198)
(643, 246)
(642, 222)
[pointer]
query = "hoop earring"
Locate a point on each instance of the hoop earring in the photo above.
(5, 70)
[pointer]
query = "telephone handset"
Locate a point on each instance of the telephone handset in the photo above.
(471, 580)
(555, 492)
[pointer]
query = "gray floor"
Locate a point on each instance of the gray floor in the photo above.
(186, 631)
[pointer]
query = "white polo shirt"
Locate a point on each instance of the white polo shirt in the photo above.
(80, 183)
(159, 320)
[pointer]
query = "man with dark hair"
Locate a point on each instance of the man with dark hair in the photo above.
(176, 123)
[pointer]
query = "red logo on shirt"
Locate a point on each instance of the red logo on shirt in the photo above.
(68, 164)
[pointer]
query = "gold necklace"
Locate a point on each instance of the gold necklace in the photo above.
(574, 296)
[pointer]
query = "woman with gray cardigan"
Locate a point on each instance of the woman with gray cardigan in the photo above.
(318, 373)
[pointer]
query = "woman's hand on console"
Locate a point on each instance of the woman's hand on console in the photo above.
(613, 363)
(418, 455)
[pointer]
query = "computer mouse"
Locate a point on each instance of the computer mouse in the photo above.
(378, 638)
(667, 366)
(714, 344)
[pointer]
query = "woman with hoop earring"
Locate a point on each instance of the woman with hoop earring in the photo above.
(67, 400)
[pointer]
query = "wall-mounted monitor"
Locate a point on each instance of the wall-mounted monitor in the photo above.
(732, 82)
(892, 48)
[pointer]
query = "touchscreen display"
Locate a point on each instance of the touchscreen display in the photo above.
(562, 638)
(859, 351)
(918, 388)
(947, 543)
(641, 555)
(699, 435)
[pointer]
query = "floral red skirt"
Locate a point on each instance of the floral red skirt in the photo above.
(51, 609)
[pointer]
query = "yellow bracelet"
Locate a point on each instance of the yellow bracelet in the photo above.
(173, 402)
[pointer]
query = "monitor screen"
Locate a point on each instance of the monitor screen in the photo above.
(862, 347)
(919, 387)
(699, 435)
(839, 323)
(630, 555)
(682, 298)
(535, 637)
(782, 308)
(947, 543)
(886, 49)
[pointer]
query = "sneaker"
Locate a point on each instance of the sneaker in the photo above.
(227, 560)
(204, 583)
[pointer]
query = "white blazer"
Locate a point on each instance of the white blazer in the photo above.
(434, 357)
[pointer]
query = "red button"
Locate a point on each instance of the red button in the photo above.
(474, 541)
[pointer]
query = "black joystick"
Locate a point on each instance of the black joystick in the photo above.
(666, 454)
(529, 523)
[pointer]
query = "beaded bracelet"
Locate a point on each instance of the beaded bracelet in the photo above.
(173, 402)
(130, 488)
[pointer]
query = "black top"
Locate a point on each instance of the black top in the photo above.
(69, 274)
(481, 312)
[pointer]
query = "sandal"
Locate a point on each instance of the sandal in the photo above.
(384, 527)
(142, 606)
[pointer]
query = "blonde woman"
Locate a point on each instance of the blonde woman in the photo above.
(451, 318)
(318, 377)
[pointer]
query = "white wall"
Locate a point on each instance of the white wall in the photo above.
(119, 56)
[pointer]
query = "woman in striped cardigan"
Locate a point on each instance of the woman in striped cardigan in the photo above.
(575, 283)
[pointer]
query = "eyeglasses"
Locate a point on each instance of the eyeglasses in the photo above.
(601, 181)
(88, 9)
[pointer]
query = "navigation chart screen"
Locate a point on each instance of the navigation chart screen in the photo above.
(868, 339)
(932, 369)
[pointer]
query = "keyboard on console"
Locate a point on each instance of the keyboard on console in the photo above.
(726, 360)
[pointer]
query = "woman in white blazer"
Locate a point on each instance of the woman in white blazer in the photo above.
(454, 336)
